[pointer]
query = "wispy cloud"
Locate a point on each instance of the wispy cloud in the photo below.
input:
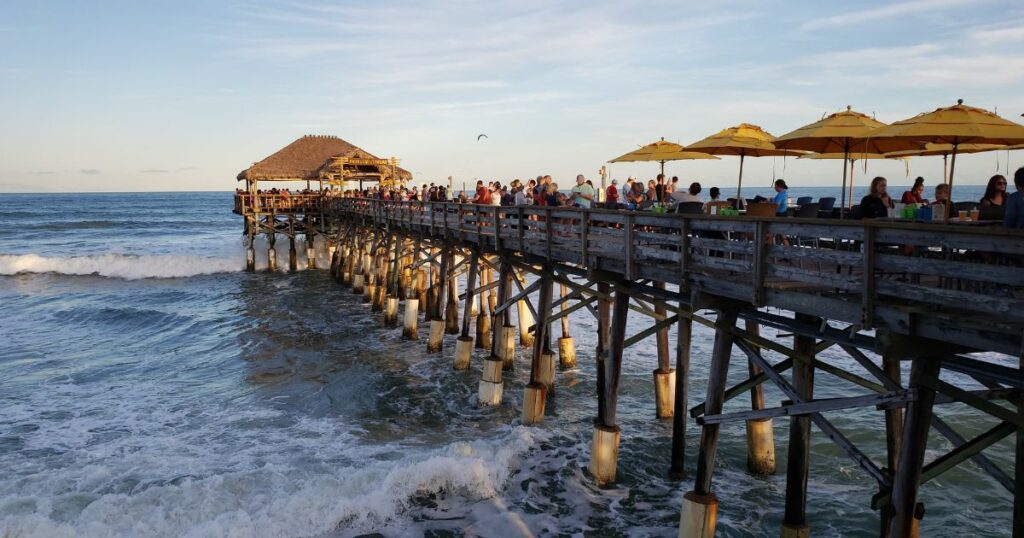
(866, 15)
(90, 171)
(154, 171)
(188, 169)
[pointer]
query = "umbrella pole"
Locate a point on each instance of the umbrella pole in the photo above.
(739, 185)
(842, 192)
(952, 166)
(662, 168)
(853, 165)
(945, 170)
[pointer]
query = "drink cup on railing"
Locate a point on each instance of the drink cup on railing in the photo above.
(975, 214)
(963, 215)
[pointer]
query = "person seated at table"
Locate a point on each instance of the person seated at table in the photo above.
(915, 194)
(781, 197)
(635, 196)
(714, 193)
(652, 190)
(1015, 203)
(877, 203)
(691, 195)
(995, 192)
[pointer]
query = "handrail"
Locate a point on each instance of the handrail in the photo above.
(846, 269)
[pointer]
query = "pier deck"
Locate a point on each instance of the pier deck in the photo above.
(883, 292)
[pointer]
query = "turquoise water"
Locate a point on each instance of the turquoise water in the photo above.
(152, 388)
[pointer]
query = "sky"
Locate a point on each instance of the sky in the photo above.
(161, 95)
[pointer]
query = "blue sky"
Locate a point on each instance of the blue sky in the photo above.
(167, 95)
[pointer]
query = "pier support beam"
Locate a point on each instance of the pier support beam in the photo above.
(677, 469)
(760, 437)
(700, 507)
(410, 325)
(604, 453)
(524, 318)
(483, 318)
(566, 344)
(464, 344)
(794, 523)
(293, 256)
(923, 373)
(664, 376)
(536, 391)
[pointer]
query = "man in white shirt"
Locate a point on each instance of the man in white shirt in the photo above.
(693, 195)
(582, 194)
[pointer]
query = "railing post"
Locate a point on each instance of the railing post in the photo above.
(868, 293)
(759, 263)
(627, 231)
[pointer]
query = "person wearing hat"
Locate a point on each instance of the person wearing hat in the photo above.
(611, 195)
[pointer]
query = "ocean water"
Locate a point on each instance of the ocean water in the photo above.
(150, 387)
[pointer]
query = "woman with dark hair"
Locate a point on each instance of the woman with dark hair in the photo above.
(914, 195)
(877, 203)
(781, 197)
(995, 192)
(715, 192)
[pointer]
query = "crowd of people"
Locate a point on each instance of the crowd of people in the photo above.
(996, 204)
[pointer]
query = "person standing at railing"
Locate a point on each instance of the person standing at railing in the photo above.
(611, 195)
(582, 195)
(1015, 203)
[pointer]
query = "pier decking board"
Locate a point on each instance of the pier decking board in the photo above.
(930, 293)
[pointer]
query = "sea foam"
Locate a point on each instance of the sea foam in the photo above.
(124, 266)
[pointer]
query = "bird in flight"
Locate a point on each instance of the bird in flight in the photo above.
(478, 137)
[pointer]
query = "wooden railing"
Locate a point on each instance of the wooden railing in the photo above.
(278, 203)
(871, 273)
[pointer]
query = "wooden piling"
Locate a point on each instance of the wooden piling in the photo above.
(605, 444)
(907, 481)
(536, 390)
(794, 523)
(677, 469)
(760, 437)
(566, 344)
(700, 506)
(664, 375)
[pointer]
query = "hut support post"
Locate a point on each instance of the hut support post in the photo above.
(542, 365)
(664, 375)
(272, 239)
(700, 507)
(760, 437)
(293, 256)
(250, 254)
(464, 344)
(677, 469)
(794, 523)
(310, 245)
(604, 453)
(907, 480)
(566, 344)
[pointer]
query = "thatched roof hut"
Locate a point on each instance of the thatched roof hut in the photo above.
(323, 158)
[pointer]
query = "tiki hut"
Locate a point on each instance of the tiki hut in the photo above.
(324, 158)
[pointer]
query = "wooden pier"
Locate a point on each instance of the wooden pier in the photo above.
(885, 293)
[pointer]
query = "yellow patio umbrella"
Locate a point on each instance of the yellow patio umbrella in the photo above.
(931, 149)
(842, 134)
(956, 125)
(743, 140)
(852, 158)
(661, 151)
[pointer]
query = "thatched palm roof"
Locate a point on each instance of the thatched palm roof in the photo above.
(311, 158)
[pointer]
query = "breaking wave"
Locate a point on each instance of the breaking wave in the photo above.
(125, 266)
